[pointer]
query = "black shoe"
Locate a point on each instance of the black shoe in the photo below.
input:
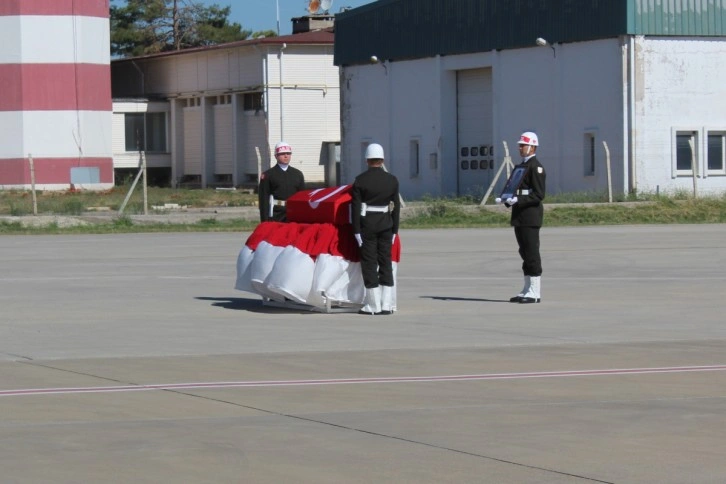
(515, 299)
(385, 312)
(529, 300)
(367, 313)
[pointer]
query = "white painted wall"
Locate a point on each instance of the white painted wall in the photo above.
(682, 85)
(561, 98)
(75, 39)
(562, 94)
(303, 104)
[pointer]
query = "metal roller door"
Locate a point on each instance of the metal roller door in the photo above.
(475, 158)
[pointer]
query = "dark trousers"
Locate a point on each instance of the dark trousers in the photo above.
(375, 259)
(528, 241)
(279, 214)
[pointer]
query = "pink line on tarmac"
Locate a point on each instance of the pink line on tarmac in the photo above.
(348, 381)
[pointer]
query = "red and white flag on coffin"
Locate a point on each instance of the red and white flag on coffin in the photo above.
(324, 205)
(302, 261)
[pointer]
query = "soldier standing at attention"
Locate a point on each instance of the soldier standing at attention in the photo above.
(278, 184)
(527, 216)
(376, 213)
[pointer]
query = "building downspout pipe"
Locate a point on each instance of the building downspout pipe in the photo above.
(632, 182)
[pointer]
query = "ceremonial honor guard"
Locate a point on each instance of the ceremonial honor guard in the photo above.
(525, 201)
(376, 211)
(278, 184)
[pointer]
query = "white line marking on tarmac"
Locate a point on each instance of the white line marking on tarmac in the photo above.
(348, 381)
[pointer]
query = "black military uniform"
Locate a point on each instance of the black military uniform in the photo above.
(281, 184)
(528, 214)
(378, 190)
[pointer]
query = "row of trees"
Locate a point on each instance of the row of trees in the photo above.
(140, 27)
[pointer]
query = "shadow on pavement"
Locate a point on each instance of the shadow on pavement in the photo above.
(452, 298)
(247, 304)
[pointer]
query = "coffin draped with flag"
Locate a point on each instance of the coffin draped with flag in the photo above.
(313, 259)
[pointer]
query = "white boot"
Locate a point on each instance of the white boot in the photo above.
(525, 290)
(386, 299)
(372, 303)
(533, 294)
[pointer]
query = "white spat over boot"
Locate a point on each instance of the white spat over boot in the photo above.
(386, 300)
(533, 294)
(525, 289)
(372, 303)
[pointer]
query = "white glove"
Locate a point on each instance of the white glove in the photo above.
(359, 239)
(393, 240)
(511, 200)
(497, 200)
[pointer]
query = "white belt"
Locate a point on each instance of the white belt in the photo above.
(523, 192)
(373, 208)
(275, 203)
(364, 207)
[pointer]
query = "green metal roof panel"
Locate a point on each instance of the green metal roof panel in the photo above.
(677, 17)
(411, 29)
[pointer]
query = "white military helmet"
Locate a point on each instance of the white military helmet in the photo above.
(374, 151)
(282, 147)
(528, 138)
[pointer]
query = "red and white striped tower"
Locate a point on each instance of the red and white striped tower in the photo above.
(55, 93)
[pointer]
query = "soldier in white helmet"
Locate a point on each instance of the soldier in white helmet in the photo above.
(375, 225)
(278, 184)
(527, 216)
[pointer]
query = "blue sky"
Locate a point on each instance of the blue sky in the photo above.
(262, 14)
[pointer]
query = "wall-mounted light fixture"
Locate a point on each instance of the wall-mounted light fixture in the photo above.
(542, 43)
(374, 60)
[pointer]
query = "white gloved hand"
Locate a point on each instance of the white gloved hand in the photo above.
(511, 200)
(393, 239)
(359, 239)
(497, 200)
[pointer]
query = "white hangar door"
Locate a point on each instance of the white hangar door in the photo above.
(475, 159)
(223, 142)
(193, 141)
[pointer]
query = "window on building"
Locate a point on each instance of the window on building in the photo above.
(686, 152)
(413, 158)
(589, 154)
(716, 152)
(252, 101)
(146, 132)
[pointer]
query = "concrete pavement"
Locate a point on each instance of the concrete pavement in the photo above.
(130, 358)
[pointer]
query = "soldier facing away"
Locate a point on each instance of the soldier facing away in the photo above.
(376, 212)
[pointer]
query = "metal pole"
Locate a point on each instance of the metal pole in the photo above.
(506, 162)
(607, 167)
(694, 167)
(146, 196)
(32, 184)
(277, 4)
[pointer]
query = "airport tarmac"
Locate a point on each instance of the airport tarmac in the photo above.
(131, 358)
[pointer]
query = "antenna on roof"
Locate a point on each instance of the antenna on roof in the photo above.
(313, 6)
(325, 5)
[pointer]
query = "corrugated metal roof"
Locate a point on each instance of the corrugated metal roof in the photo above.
(324, 36)
(409, 29)
(680, 17)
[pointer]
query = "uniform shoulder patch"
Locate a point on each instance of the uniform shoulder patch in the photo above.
(540, 169)
(262, 177)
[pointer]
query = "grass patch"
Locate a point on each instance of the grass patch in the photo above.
(463, 212)
(19, 202)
